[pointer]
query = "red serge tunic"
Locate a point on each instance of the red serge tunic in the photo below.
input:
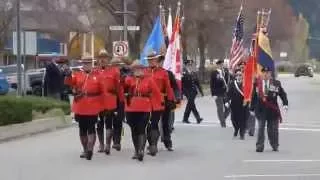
(161, 78)
(110, 77)
(91, 87)
(141, 91)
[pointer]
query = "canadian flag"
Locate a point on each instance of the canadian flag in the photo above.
(173, 59)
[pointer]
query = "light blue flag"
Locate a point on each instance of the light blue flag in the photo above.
(154, 44)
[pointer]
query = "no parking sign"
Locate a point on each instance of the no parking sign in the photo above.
(120, 49)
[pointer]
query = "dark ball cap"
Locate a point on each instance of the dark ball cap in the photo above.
(219, 62)
(242, 63)
(266, 69)
(237, 70)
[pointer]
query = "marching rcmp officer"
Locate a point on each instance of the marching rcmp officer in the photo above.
(219, 87)
(120, 115)
(161, 78)
(239, 111)
(142, 92)
(190, 88)
(88, 89)
(110, 75)
(266, 108)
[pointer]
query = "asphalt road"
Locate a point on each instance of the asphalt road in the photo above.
(202, 151)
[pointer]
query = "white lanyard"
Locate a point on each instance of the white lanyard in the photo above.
(237, 87)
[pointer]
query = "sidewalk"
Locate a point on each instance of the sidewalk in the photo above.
(16, 131)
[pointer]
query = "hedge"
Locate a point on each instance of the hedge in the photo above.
(19, 109)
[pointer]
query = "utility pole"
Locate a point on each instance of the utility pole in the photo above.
(19, 49)
(125, 20)
(125, 14)
(24, 64)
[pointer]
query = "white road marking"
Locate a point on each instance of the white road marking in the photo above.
(281, 128)
(283, 160)
(271, 175)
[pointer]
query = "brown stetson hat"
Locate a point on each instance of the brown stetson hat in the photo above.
(116, 61)
(104, 53)
(136, 65)
(153, 55)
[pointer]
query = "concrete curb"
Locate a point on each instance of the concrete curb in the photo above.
(18, 131)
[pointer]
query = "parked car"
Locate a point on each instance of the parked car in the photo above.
(4, 84)
(304, 70)
(32, 82)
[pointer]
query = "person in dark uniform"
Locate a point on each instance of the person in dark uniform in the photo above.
(239, 112)
(219, 88)
(266, 108)
(190, 88)
(141, 90)
(53, 80)
(167, 119)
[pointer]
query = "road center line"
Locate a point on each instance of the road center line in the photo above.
(283, 160)
(271, 175)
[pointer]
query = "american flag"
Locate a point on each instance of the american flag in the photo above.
(237, 49)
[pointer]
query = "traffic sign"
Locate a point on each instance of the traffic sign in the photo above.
(120, 49)
(121, 28)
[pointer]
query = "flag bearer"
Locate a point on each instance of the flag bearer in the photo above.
(266, 108)
(239, 111)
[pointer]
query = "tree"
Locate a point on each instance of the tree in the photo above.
(6, 17)
(300, 49)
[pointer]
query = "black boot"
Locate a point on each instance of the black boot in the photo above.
(100, 134)
(186, 121)
(154, 137)
(89, 155)
(199, 120)
(83, 154)
(91, 143)
(109, 134)
(84, 142)
(135, 144)
(235, 134)
(168, 145)
(101, 142)
(259, 148)
(116, 143)
(141, 141)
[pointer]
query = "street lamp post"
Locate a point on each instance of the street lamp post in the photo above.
(19, 50)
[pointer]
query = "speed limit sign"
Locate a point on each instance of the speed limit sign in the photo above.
(120, 49)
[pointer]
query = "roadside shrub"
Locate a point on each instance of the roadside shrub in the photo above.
(20, 109)
(14, 110)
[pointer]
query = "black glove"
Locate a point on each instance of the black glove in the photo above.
(171, 105)
(67, 72)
